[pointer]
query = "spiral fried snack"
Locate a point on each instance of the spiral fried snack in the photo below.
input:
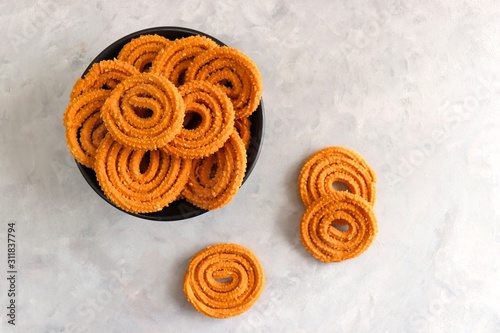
(174, 60)
(327, 243)
(214, 180)
(217, 121)
(105, 74)
(145, 111)
(336, 164)
(234, 72)
(139, 181)
(205, 291)
(84, 128)
(141, 52)
(243, 126)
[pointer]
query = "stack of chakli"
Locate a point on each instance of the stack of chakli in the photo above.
(166, 120)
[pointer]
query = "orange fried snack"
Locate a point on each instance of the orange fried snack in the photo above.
(173, 60)
(216, 112)
(204, 284)
(215, 180)
(145, 111)
(139, 181)
(105, 74)
(84, 128)
(234, 72)
(141, 52)
(336, 164)
(243, 126)
(327, 243)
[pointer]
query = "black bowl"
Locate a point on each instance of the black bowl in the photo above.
(178, 210)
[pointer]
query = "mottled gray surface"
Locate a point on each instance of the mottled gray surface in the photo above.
(414, 86)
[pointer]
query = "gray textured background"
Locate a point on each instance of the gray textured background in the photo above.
(414, 86)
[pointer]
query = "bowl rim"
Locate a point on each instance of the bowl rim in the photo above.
(190, 210)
